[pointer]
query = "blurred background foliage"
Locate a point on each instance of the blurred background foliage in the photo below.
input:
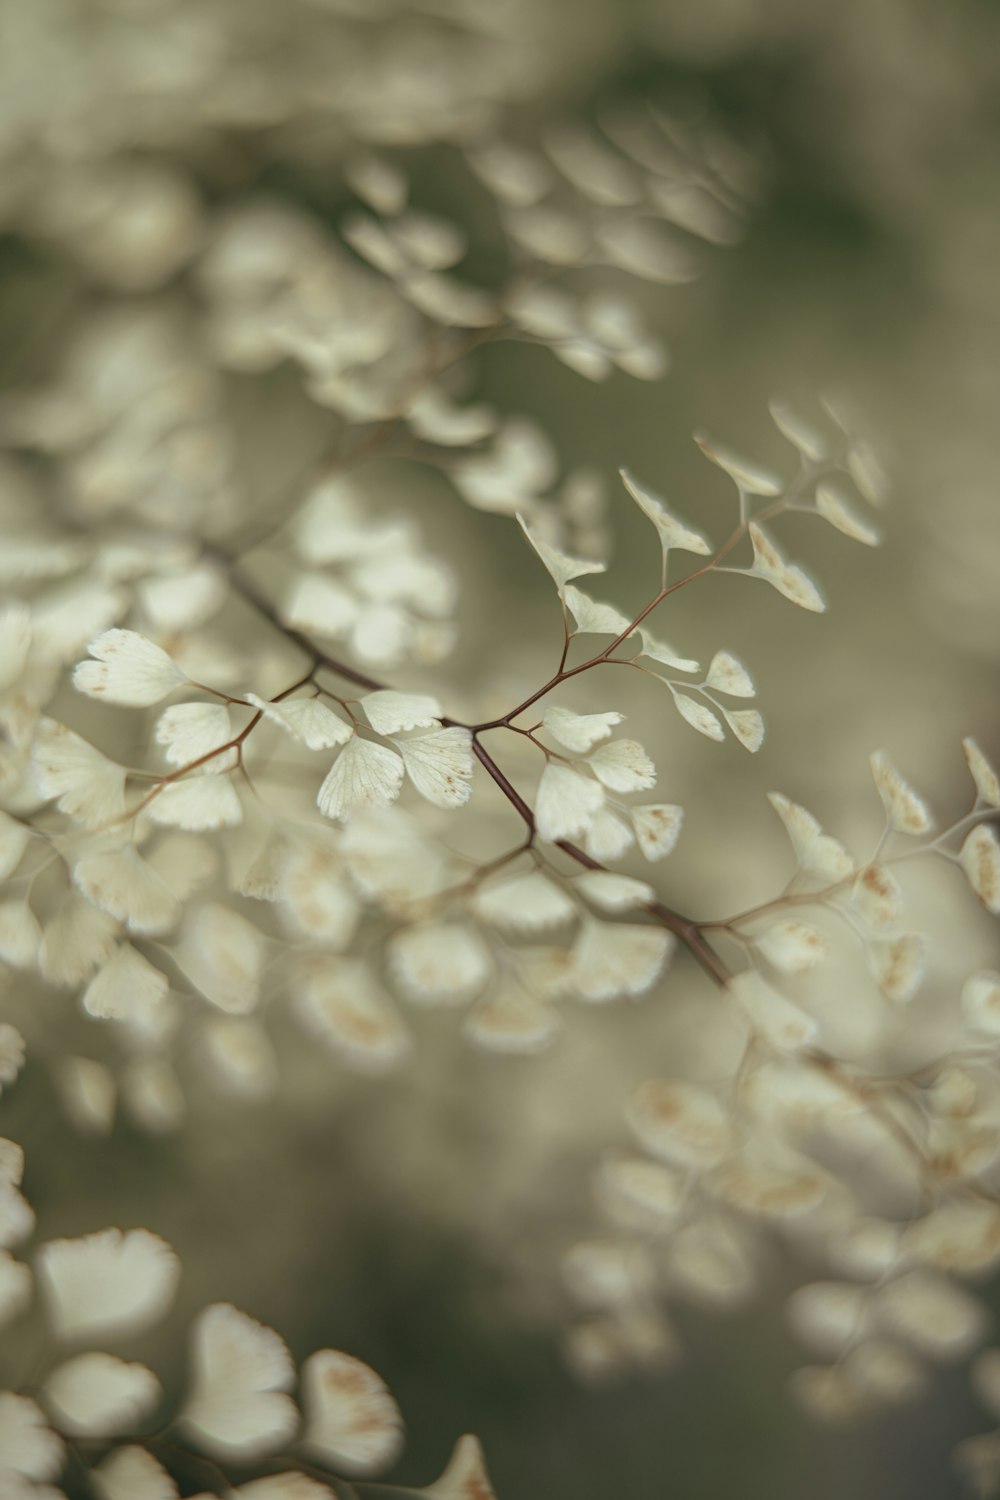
(418, 1222)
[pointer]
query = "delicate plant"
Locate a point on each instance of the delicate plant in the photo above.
(239, 790)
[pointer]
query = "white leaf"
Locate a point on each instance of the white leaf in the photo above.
(378, 181)
(981, 1002)
(727, 674)
(120, 882)
(305, 719)
(962, 1236)
(332, 524)
(526, 903)
(293, 1485)
(342, 1005)
(127, 669)
(800, 434)
(699, 717)
(837, 509)
(593, 167)
(440, 765)
(391, 858)
(11, 1161)
(867, 472)
(15, 641)
(876, 895)
(681, 1122)
(586, 357)
(182, 599)
(816, 852)
(748, 476)
(983, 774)
(316, 896)
(221, 953)
(107, 1283)
(771, 1015)
(788, 578)
(767, 1189)
(515, 175)
(645, 248)
(29, 1449)
(561, 567)
(657, 828)
(64, 619)
(20, 934)
(623, 766)
(352, 1422)
(12, 1053)
(87, 1092)
(183, 862)
(439, 963)
(607, 1272)
(320, 604)
(75, 941)
(672, 532)
(364, 774)
(15, 1291)
(14, 839)
(96, 1395)
(747, 725)
(90, 788)
(592, 617)
(980, 859)
(791, 946)
(639, 1194)
(399, 575)
(608, 837)
(512, 1022)
(132, 1473)
(899, 966)
(566, 802)
(433, 417)
(938, 1318)
(382, 634)
(436, 244)
(17, 1217)
(579, 732)
(237, 1407)
(153, 1095)
(547, 312)
(189, 731)
(388, 712)
(659, 651)
(547, 234)
(449, 300)
(465, 1478)
(197, 803)
(907, 813)
(242, 1056)
(612, 959)
(612, 892)
(126, 987)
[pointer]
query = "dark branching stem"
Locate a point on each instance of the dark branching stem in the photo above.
(682, 927)
(685, 929)
(510, 792)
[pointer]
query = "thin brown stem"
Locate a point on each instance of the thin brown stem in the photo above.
(684, 928)
(510, 792)
(687, 930)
